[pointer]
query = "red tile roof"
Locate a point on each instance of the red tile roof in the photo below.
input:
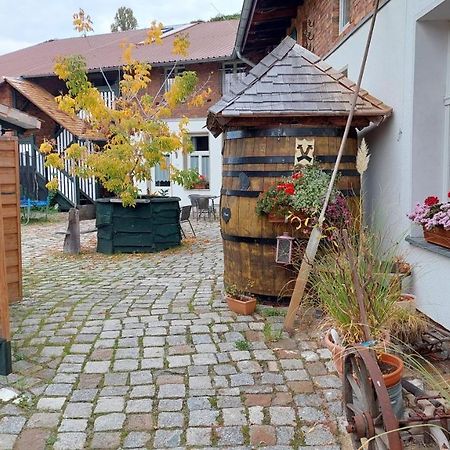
(208, 40)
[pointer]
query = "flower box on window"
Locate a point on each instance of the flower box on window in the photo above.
(434, 216)
(438, 236)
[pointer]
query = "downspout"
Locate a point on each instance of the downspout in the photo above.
(244, 59)
(247, 11)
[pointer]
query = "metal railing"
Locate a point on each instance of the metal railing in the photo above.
(69, 186)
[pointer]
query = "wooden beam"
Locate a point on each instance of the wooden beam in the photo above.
(5, 331)
(4, 301)
(266, 15)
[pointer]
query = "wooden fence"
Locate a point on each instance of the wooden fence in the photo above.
(10, 198)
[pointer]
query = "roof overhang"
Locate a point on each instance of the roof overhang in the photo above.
(263, 25)
(11, 118)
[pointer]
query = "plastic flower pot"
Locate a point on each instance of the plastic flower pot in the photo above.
(244, 305)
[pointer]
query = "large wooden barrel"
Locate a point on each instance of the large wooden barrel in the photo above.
(253, 159)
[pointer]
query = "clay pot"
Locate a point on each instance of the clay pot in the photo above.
(337, 351)
(408, 302)
(244, 305)
(391, 379)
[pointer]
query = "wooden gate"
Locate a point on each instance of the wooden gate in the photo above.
(10, 198)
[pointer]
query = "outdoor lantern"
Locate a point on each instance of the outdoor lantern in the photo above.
(285, 244)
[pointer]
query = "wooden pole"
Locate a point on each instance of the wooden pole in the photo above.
(5, 332)
(314, 239)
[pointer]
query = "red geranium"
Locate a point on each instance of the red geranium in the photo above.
(431, 201)
(299, 175)
(289, 188)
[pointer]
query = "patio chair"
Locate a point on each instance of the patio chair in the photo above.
(184, 217)
(194, 203)
(203, 207)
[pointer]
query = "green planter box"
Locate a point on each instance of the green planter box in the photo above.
(151, 226)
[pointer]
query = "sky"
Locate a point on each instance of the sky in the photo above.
(28, 22)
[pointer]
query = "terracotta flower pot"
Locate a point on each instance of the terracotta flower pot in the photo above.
(390, 379)
(408, 302)
(337, 352)
(244, 306)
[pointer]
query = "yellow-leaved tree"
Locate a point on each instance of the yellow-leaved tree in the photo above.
(135, 135)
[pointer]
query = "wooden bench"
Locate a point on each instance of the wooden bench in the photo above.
(72, 244)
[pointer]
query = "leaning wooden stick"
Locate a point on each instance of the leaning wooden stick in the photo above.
(316, 235)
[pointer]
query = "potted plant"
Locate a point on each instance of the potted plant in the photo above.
(358, 258)
(434, 217)
(189, 179)
(240, 301)
(202, 183)
(299, 199)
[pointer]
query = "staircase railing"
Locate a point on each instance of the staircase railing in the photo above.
(69, 186)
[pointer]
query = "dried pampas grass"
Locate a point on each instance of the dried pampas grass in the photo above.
(362, 157)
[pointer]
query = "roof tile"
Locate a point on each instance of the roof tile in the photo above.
(296, 83)
(46, 103)
(208, 40)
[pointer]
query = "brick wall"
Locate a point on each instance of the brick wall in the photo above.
(319, 19)
(209, 75)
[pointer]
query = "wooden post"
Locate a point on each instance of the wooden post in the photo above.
(72, 244)
(5, 332)
(314, 239)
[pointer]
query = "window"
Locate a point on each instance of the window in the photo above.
(169, 75)
(162, 174)
(199, 158)
(344, 14)
(232, 73)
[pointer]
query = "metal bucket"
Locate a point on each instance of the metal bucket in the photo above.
(396, 396)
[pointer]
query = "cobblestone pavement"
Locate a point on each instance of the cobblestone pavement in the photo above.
(137, 352)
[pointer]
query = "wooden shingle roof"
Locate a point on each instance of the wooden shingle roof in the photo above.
(47, 103)
(293, 82)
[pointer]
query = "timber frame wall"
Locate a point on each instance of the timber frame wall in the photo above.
(10, 198)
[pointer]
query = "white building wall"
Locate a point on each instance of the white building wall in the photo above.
(196, 127)
(407, 69)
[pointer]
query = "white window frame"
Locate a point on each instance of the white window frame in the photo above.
(167, 173)
(169, 75)
(238, 71)
(344, 14)
(200, 154)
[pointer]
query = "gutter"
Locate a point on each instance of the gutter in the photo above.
(246, 14)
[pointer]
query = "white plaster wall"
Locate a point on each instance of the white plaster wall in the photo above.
(408, 72)
(197, 127)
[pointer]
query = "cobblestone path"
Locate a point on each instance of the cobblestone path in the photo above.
(140, 352)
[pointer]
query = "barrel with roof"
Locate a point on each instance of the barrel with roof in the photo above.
(289, 97)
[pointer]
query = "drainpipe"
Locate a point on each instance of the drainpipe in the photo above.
(247, 11)
(244, 59)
